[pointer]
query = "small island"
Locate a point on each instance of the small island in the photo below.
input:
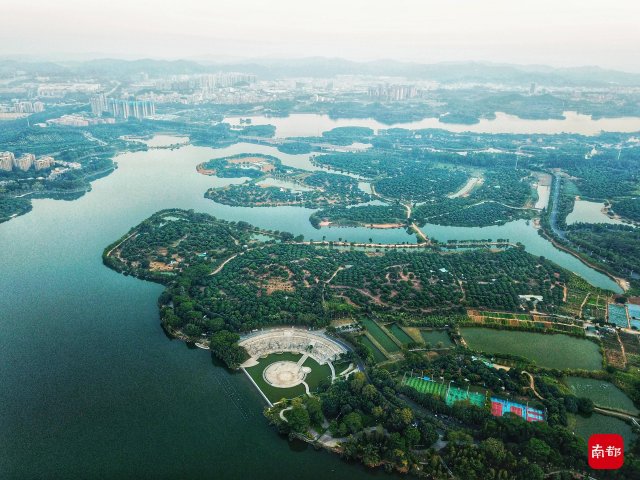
(272, 184)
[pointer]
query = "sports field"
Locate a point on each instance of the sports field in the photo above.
(449, 394)
(425, 386)
(461, 395)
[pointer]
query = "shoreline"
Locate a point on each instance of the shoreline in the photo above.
(621, 282)
(204, 171)
(55, 194)
(373, 226)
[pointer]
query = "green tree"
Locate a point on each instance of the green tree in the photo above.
(314, 407)
(537, 450)
(298, 419)
(412, 436)
(585, 405)
(353, 422)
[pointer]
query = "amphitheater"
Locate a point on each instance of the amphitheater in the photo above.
(287, 374)
(314, 344)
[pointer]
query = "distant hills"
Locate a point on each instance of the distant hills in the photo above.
(442, 72)
(320, 67)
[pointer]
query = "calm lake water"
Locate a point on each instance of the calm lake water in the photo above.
(602, 393)
(551, 351)
(91, 386)
(596, 423)
(589, 212)
(312, 125)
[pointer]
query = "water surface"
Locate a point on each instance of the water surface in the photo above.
(312, 125)
(596, 423)
(547, 350)
(589, 212)
(92, 387)
(603, 394)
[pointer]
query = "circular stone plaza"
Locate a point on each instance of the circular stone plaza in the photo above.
(287, 362)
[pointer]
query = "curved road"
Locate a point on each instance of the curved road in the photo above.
(532, 385)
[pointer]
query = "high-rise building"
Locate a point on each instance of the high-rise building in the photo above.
(99, 104)
(124, 109)
(393, 92)
(208, 82)
(6, 161)
(43, 162)
(220, 80)
(142, 108)
(117, 108)
(23, 107)
(24, 162)
(28, 107)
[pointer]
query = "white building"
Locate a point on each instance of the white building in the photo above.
(24, 162)
(43, 162)
(6, 161)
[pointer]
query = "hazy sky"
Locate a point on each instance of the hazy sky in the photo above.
(554, 32)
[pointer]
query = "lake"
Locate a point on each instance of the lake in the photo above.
(589, 212)
(91, 385)
(596, 423)
(296, 218)
(377, 353)
(312, 125)
(550, 351)
(602, 393)
(397, 331)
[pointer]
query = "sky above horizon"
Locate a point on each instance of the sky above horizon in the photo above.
(552, 32)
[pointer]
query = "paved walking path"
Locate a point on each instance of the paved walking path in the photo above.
(302, 360)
